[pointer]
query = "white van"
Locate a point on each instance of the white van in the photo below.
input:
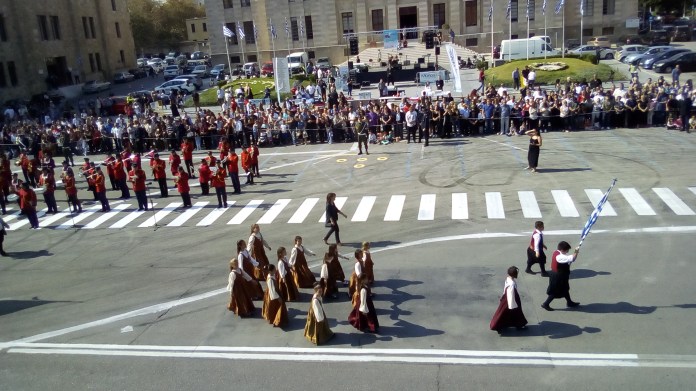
(517, 49)
(297, 62)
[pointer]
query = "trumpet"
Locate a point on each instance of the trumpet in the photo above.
(105, 163)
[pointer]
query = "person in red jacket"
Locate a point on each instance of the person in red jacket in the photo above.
(212, 160)
(48, 182)
(254, 151)
(224, 147)
(109, 161)
(218, 182)
(120, 176)
(182, 186)
(137, 177)
(204, 175)
(100, 189)
(233, 170)
(159, 172)
(27, 203)
(71, 192)
(187, 153)
(246, 165)
(174, 163)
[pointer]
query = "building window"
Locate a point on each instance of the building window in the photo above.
(347, 21)
(92, 67)
(122, 54)
(294, 31)
(113, 5)
(513, 10)
(249, 32)
(309, 30)
(193, 27)
(97, 59)
(55, 27)
(607, 30)
(252, 58)
(3, 81)
(12, 72)
(311, 54)
(377, 20)
(531, 10)
(235, 59)
(233, 39)
(608, 7)
(227, 3)
(588, 7)
(471, 11)
(588, 32)
(91, 27)
(245, 3)
(471, 42)
(439, 15)
(85, 27)
(205, 27)
(43, 27)
(118, 30)
(3, 32)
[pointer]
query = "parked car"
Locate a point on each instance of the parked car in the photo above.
(176, 84)
(686, 62)
(141, 62)
(636, 57)
(250, 69)
(123, 77)
(201, 70)
(681, 33)
(571, 44)
(635, 40)
(267, 69)
(657, 38)
(156, 64)
(94, 86)
(139, 73)
(172, 71)
(604, 53)
(323, 63)
(648, 61)
(602, 42)
(627, 50)
(197, 56)
(217, 69)
(195, 79)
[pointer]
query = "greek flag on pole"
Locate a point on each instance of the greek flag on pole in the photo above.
(527, 12)
(559, 6)
(595, 213)
(301, 28)
(509, 8)
(543, 8)
(274, 34)
(227, 32)
(582, 8)
(240, 30)
(287, 27)
(490, 12)
(256, 33)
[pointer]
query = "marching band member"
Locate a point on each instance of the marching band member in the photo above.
(182, 186)
(24, 162)
(274, 309)
(71, 191)
(48, 162)
(212, 161)
(100, 189)
(120, 177)
(204, 176)
(218, 182)
(247, 263)
(317, 329)
(87, 171)
(49, 184)
(174, 162)
(27, 203)
(233, 170)
(15, 187)
(137, 177)
(224, 147)
(304, 278)
(246, 165)
(363, 316)
(254, 152)
(187, 153)
(160, 174)
(126, 157)
(240, 302)
(368, 264)
(109, 161)
(136, 160)
(34, 170)
(3, 226)
(286, 284)
(255, 246)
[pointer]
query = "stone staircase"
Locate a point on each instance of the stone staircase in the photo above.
(410, 54)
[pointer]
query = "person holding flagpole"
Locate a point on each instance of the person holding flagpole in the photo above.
(559, 278)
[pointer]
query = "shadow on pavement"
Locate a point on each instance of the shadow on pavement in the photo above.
(621, 307)
(10, 306)
(553, 330)
(543, 170)
(29, 254)
(577, 274)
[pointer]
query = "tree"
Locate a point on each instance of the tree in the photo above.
(161, 25)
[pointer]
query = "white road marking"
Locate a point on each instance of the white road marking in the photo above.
(11, 217)
(595, 195)
(160, 214)
(303, 211)
(364, 208)
(52, 219)
(693, 190)
(248, 209)
(85, 214)
(25, 221)
(529, 204)
(426, 211)
(637, 202)
(274, 211)
(106, 216)
(494, 205)
(675, 203)
(184, 217)
(339, 202)
(564, 203)
(396, 205)
(460, 206)
(132, 216)
(214, 215)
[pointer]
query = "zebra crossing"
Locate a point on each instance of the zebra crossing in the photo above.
(491, 205)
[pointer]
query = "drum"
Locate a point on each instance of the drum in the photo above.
(12, 198)
(40, 190)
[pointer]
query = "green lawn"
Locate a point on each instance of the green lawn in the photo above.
(577, 70)
(258, 85)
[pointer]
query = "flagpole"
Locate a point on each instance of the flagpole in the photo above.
(582, 17)
(229, 62)
(510, 36)
(546, 53)
(527, 37)
(595, 214)
(563, 35)
(492, 40)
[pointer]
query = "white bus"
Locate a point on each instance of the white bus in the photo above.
(518, 49)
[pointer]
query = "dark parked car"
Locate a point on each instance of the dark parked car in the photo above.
(138, 73)
(657, 38)
(682, 33)
(686, 61)
(649, 61)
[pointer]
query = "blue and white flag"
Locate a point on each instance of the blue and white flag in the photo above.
(240, 30)
(582, 7)
(559, 6)
(301, 28)
(509, 9)
(490, 12)
(287, 27)
(527, 12)
(256, 33)
(543, 8)
(274, 34)
(595, 213)
(227, 32)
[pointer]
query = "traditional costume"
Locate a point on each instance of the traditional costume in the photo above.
(286, 283)
(255, 246)
(274, 310)
(328, 282)
(363, 316)
(304, 278)
(355, 278)
(240, 302)
(368, 267)
(317, 329)
(509, 312)
(247, 263)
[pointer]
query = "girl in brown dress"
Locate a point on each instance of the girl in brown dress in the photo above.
(328, 283)
(357, 273)
(363, 316)
(240, 302)
(368, 265)
(256, 248)
(274, 310)
(248, 263)
(335, 268)
(304, 278)
(286, 283)
(317, 329)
